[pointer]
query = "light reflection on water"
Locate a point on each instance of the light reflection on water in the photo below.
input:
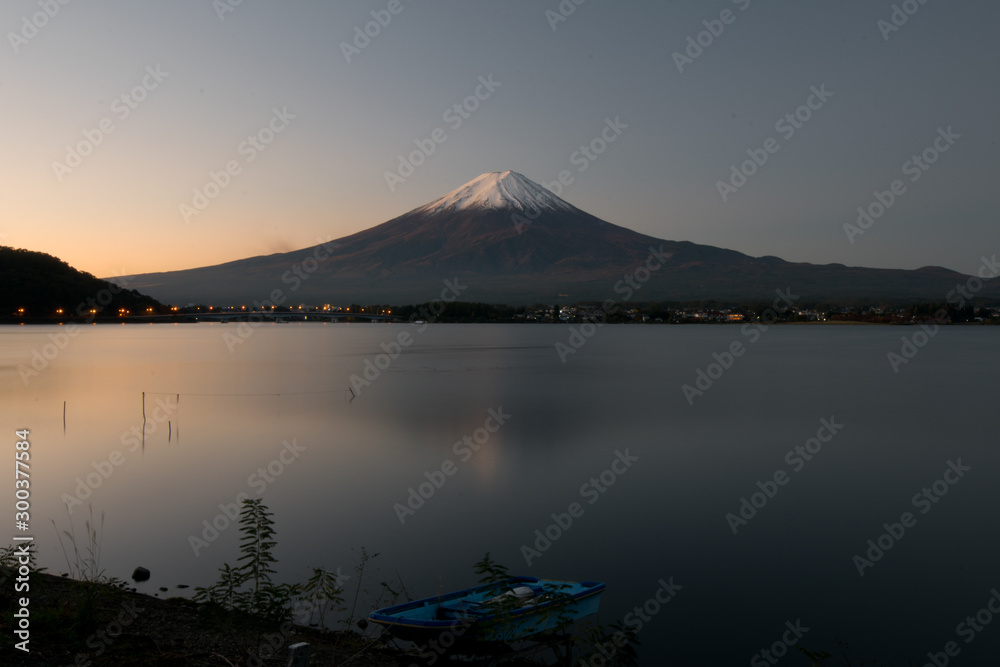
(662, 518)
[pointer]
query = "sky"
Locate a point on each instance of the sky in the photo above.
(149, 136)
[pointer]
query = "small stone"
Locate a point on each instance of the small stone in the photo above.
(182, 586)
(163, 589)
(140, 574)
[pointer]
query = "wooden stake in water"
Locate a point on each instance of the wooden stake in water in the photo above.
(144, 421)
(64, 416)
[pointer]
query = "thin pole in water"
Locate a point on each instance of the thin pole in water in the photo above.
(64, 416)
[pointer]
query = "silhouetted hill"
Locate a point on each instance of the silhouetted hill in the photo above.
(42, 284)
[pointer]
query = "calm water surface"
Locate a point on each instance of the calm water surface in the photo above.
(271, 418)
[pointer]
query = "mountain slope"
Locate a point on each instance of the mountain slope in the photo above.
(42, 284)
(511, 240)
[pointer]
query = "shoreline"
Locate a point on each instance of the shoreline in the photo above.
(83, 623)
(302, 320)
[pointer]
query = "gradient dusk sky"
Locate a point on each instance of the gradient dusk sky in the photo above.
(200, 77)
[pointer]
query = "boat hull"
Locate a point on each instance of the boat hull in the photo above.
(490, 613)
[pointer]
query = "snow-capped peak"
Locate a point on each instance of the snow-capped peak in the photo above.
(498, 190)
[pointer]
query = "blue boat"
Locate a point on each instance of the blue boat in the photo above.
(502, 611)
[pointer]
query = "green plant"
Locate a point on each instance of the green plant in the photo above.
(225, 591)
(85, 564)
(256, 542)
(594, 638)
(614, 644)
(360, 569)
(555, 612)
(248, 587)
(816, 657)
(321, 592)
(7, 557)
(489, 570)
(10, 557)
(10, 561)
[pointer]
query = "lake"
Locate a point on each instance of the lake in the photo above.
(745, 502)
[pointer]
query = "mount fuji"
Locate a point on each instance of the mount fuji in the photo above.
(510, 240)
